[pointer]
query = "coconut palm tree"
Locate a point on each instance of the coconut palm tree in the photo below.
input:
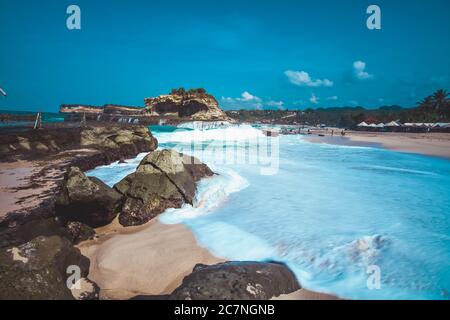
(440, 99)
(427, 103)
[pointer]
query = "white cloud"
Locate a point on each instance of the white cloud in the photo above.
(247, 96)
(359, 68)
(314, 99)
(248, 101)
(273, 103)
(333, 98)
(302, 78)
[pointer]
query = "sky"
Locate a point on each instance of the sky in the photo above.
(248, 53)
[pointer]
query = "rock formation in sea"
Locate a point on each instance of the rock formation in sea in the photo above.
(178, 106)
(194, 105)
(164, 179)
(235, 281)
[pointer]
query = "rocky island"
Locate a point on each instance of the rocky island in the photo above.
(179, 106)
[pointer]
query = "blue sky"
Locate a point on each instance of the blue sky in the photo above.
(251, 54)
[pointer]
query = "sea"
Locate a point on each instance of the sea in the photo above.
(355, 221)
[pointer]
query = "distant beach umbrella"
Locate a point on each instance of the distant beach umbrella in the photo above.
(2, 92)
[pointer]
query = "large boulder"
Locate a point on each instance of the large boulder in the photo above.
(17, 234)
(237, 281)
(87, 199)
(164, 179)
(234, 281)
(79, 232)
(38, 269)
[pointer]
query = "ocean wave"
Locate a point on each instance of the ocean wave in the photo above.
(114, 172)
(212, 193)
(201, 125)
(232, 133)
(385, 169)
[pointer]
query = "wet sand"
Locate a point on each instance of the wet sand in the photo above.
(18, 190)
(147, 260)
(430, 144)
(26, 184)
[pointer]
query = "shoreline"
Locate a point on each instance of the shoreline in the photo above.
(428, 144)
(152, 260)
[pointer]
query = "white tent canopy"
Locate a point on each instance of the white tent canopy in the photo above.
(441, 125)
(392, 124)
(363, 124)
(380, 125)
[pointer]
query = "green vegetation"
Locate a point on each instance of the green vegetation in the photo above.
(434, 108)
(182, 91)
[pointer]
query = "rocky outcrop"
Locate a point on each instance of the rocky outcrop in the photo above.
(14, 234)
(79, 232)
(193, 105)
(80, 108)
(164, 179)
(114, 141)
(38, 269)
(87, 200)
(235, 281)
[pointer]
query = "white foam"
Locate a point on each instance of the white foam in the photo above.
(202, 125)
(232, 133)
(212, 193)
(114, 172)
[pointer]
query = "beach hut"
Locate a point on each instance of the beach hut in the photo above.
(363, 124)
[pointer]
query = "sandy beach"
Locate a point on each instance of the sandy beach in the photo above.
(430, 144)
(152, 259)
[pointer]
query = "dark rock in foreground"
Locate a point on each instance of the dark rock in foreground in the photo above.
(38, 269)
(164, 179)
(87, 200)
(79, 232)
(234, 281)
(17, 235)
